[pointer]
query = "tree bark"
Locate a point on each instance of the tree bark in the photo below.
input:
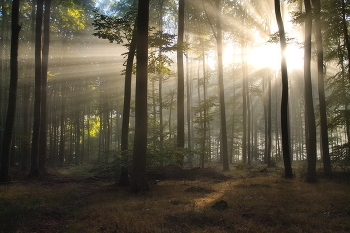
(309, 107)
(11, 109)
(34, 168)
(284, 102)
(138, 180)
(223, 144)
(180, 81)
(124, 175)
(45, 62)
(244, 91)
(321, 93)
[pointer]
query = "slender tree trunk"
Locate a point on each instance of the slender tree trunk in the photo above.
(284, 102)
(160, 86)
(11, 109)
(223, 144)
(244, 95)
(180, 81)
(201, 123)
(27, 100)
(124, 175)
(34, 168)
(204, 139)
(189, 97)
(269, 140)
(309, 108)
(321, 93)
(62, 123)
(43, 117)
(2, 56)
(346, 33)
(138, 180)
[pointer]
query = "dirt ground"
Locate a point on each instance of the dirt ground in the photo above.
(254, 199)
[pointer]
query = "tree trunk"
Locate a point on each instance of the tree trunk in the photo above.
(284, 102)
(124, 175)
(269, 143)
(2, 56)
(138, 180)
(34, 168)
(43, 117)
(189, 97)
(321, 93)
(244, 95)
(223, 144)
(309, 107)
(62, 122)
(11, 109)
(180, 81)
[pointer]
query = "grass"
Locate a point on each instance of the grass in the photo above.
(257, 202)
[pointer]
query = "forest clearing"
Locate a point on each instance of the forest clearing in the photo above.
(259, 199)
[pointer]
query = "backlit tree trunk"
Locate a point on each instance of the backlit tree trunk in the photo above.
(34, 168)
(223, 143)
(124, 175)
(11, 109)
(284, 102)
(322, 100)
(180, 81)
(309, 107)
(43, 117)
(138, 180)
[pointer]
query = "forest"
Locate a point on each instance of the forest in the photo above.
(186, 102)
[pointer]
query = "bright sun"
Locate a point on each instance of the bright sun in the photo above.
(266, 55)
(269, 55)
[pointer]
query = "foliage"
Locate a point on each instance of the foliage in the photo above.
(157, 156)
(340, 157)
(70, 16)
(114, 28)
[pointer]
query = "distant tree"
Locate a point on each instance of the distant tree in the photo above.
(310, 125)
(138, 180)
(11, 109)
(284, 102)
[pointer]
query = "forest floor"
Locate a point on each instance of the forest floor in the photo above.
(258, 199)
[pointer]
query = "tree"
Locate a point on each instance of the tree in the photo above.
(223, 128)
(34, 167)
(11, 109)
(321, 93)
(180, 80)
(288, 173)
(138, 180)
(310, 125)
(44, 67)
(124, 179)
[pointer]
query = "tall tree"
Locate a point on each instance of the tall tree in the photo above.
(44, 67)
(180, 79)
(310, 125)
(223, 128)
(288, 173)
(321, 93)
(138, 180)
(11, 109)
(34, 167)
(124, 179)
